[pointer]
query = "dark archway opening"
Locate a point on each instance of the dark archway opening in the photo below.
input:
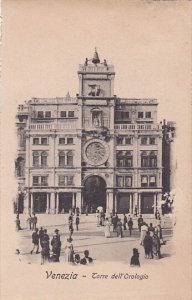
(94, 194)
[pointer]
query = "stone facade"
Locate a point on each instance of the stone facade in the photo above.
(92, 150)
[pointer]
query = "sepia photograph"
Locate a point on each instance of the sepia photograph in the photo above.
(96, 150)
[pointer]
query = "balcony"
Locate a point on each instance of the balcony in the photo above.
(72, 124)
(137, 127)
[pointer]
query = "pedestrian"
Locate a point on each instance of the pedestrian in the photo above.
(98, 217)
(56, 246)
(135, 258)
(86, 210)
(119, 228)
(30, 221)
(135, 211)
(148, 243)
(77, 222)
(45, 251)
(130, 225)
(41, 233)
(156, 246)
(77, 259)
(71, 228)
(77, 211)
(35, 241)
(158, 231)
(34, 221)
(107, 228)
(17, 221)
(69, 253)
(114, 221)
(140, 222)
(102, 218)
(144, 229)
(124, 221)
(151, 228)
(87, 259)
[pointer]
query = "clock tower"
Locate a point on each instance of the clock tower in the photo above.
(97, 101)
(96, 79)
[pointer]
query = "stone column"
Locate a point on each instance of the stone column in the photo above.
(131, 204)
(32, 204)
(139, 204)
(110, 201)
(56, 203)
(52, 203)
(48, 204)
(78, 200)
(26, 203)
(115, 202)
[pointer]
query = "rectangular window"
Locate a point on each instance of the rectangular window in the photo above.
(63, 114)
(71, 114)
(61, 141)
(44, 141)
(69, 141)
(62, 180)
(144, 141)
(128, 141)
(119, 140)
(47, 114)
(140, 114)
(35, 141)
(152, 181)
(40, 114)
(152, 141)
(144, 181)
(35, 180)
(44, 181)
(128, 181)
(61, 160)
(119, 181)
(148, 114)
(69, 180)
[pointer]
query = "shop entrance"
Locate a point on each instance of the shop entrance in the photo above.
(94, 193)
(147, 203)
(123, 203)
(39, 202)
(65, 202)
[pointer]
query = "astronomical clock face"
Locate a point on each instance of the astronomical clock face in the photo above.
(96, 152)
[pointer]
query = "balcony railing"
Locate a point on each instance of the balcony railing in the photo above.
(133, 127)
(72, 124)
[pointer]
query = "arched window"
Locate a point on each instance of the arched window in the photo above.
(153, 159)
(61, 159)
(43, 158)
(35, 158)
(128, 159)
(19, 165)
(144, 159)
(120, 159)
(69, 158)
(21, 135)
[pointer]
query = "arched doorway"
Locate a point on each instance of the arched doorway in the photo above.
(94, 193)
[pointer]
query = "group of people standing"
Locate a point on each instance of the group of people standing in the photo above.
(113, 220)
(151, 238)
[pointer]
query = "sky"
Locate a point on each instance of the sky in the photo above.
(148, 44)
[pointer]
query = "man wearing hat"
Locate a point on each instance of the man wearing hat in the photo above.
(56, 246)
(135, 258)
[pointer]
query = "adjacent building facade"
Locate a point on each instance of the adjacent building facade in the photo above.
(92, 150)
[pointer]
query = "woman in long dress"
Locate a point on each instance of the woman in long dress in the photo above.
(107, 228)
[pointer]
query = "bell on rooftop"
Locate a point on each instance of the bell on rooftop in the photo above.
(96, 59)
